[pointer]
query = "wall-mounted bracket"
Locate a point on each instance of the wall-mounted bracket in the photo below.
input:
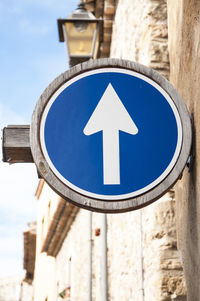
(191, 158)
(16, 144)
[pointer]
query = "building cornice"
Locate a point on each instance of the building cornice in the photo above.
(29, 252)
(39, 188)
(59, 226)
(106, 10)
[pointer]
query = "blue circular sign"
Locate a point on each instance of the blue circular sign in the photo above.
(111, 134)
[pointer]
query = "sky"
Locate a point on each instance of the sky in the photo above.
(31, 56)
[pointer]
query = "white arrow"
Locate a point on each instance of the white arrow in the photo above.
(110, 116)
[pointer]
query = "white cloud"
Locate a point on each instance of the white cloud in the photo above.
(7, 116)
(8, 245)
(17, 203)
(18, 184)
(10, 267)
(49, 71)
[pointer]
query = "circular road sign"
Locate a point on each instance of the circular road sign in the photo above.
(110, 135)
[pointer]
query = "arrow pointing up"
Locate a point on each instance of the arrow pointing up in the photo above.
(110, 116)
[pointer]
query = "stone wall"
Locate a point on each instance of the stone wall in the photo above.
(15, 289)
(184, 42)
(10, 288)
(143, 262)
(72, 260)
(45, 283)
(163, 273)
(140, 33)
(26, 293)
(125, 257)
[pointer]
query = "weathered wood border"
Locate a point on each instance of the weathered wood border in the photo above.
(91, 203)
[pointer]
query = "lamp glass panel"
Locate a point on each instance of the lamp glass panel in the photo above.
(80, 38)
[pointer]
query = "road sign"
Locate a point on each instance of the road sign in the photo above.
(110, 135)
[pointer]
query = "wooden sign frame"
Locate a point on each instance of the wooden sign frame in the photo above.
(107, 206)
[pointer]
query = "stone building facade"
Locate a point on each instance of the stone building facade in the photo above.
(184, 49)
(10, 288)
(15, 289)
(131, 256)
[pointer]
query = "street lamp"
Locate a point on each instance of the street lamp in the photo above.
(81, 32)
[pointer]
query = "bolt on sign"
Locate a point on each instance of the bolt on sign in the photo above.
(110, 135)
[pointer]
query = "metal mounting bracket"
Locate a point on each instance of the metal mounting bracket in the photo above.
(191, 157)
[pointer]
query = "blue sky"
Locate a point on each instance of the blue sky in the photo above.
(30, 58)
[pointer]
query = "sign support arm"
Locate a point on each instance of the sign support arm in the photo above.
(16, 144)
